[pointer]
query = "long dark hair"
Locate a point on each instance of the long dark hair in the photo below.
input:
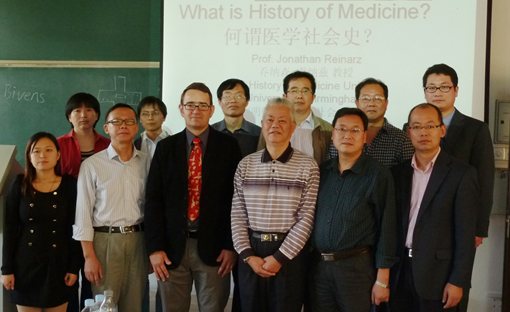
(30, 173)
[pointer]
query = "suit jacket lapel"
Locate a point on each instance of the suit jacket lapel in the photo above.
(454, 130)
(407, 181)
(439, 173)
(211, 154)
(181, 156)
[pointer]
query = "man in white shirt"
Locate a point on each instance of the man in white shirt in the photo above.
(109, 213)
(152, 113)
(312, 135)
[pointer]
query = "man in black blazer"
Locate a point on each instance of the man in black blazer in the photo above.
(436, 200)
(467, 139)
(185, 249)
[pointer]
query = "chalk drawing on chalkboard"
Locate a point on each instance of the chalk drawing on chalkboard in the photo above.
(119, 94)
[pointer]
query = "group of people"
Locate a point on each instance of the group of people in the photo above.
(345, 216)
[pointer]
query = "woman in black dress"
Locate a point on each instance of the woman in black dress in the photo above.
(40, 259)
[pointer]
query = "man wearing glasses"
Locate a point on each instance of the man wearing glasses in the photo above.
(109, 213)
(467, 139)
(234, 96)
(355, 223)
(187, 211)
(275, 190)
(385, 143)
(437, 196)
(152, 113)
(312, 135)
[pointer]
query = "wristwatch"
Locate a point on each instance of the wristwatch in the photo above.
(381, 284)
(245, 260)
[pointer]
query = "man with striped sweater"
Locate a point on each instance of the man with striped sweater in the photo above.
(273, 207)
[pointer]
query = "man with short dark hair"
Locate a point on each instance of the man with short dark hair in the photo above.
(467, 139)
(152, 114)
(312, 135)
(437, 196)
(109, 213)
(355, 223)
(188, 203)
(272, 216)
(234, 97)
(385, 143)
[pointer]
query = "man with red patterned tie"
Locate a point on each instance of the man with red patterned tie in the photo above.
(187, 211)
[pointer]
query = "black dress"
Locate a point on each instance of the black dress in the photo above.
(38, 246)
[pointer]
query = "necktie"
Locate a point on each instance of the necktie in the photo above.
(194, 179)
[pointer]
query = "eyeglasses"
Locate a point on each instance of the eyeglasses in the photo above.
(237, 97)
(151, 114)
(367, 99)
(427, 127)
(120, 122)
(353, 131)
(433, 89)
(304, 91)
(199, 106)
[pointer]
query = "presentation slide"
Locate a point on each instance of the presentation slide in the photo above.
(340, 42)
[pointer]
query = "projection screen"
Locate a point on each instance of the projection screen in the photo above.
(339, 42)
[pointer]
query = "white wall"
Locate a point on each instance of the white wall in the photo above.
(488, 270)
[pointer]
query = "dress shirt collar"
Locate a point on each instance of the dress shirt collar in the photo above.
(284, 157)
(357, 168)
(161, 136)
(112, 153)
(245, 127)
(447, 120)
(307, 123)
(203, 137)
(429, 166)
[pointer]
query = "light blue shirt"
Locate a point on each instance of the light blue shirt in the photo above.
(110, 192)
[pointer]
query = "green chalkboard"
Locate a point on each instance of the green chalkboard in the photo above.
(33, 99)
(105, 30)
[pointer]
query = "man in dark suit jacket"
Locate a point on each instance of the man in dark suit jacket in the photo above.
(436, 199)
(467, 139)
(184, 248)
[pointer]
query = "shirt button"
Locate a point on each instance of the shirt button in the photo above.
(54, 245)
(31, 231)
(29, 244)
(54, 206)
(53, 231)
(54, 220)
(30, 219)
(31, 204)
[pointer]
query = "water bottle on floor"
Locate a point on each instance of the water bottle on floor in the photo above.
(97, 304)
(108, 304)
(89, 305)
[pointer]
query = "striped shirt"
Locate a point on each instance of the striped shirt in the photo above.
(275, 196)
(110, 192)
